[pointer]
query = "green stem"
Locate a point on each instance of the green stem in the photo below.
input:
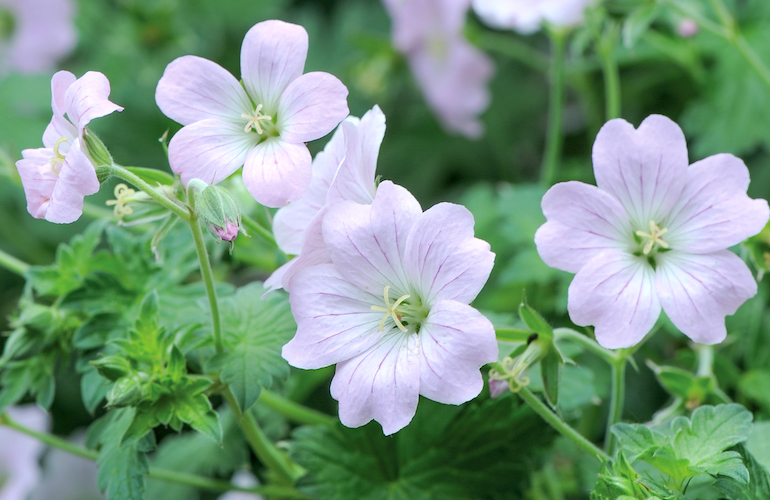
(557, 423)
(617, 400)
(265, 450)
(556, 109)
(13, 264)
(610, 357)
(162, 474)
(255, 227)
(611, 74)
(158, 196)
(206, 273)
(295, 412)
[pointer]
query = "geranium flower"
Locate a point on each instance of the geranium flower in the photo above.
(452, 73)
(344, 170)
(652, 234)
(526, 16)
(57, 177)
(262, 124)
(19, 453)
(34, 34)
(391, 309)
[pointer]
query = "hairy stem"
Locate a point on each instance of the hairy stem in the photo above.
(610, 357)
(162, 474)
(617, 400)
(161, 198)
(556, 109)
(294, 411)
(265, 450)
(13, 264)
(560, 425)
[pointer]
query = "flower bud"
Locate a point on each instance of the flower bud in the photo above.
(96, 149)
(125, 392)
(687, 28)
(112, 367)
(218, 209)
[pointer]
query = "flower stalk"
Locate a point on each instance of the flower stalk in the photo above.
(13, 264)
(137, 181)
(606, 49)
(556, 108)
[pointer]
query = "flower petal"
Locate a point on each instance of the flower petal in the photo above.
(381, 384)
(57, 128)
(645, 169)
(355, 178)
(583, 221)
(210, 150)
(272, 56)
(277, 172)
(697, 291)
(443, 259)
(455, 342)
(335, 320)
(87, 98)
(77, 179)
(616, 293)
(38, 178)
(714, 211)
(367, 242)
(193, 89)
(313, 251)
(311, 106)
(60, 82)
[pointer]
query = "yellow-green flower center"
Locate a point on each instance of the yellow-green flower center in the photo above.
(654, 237)
(391, 310)
(255, 120)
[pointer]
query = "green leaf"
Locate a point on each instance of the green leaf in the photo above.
(685, 385)
(512, 334)
(255, 331)
(475, 451)
(152, 176)
(535, 321)
(636, 439)
(638, 22)
(757, 489)
(551, 366)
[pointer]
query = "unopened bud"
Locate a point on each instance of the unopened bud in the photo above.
(96, 149)
(218, 209)
(497, 387)
(125, 392)
(112, 367)
(687, 28)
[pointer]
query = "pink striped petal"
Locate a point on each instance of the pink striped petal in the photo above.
(193, 89)
(698, 291)
(616, 293)
(277, 172)
(38, 178)
(87, 98)
(60, 82)
(311, 106)
(272, 56)
(77, 179)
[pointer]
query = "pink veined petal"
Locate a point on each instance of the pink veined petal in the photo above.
(313, 251)
(210, 150)
(38, 178)
(311, 106)
(355, 178)
(455, 342)
(77, 179)
(272, 56)
(616, 293)
(193, 89)
(335, 320)
(57, 128)
(367, 242)
(87, 99)
(290, 222)
(273, 282)
(583, 221)
(714, 211)
(43, 32)
(60, 82)
(645, 169)
(443, 259)
(382, 383)
(698, 291)
(277, 172)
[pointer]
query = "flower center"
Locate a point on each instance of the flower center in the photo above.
(58, 157)
(391, 310)
(255, 119)
(654, 237)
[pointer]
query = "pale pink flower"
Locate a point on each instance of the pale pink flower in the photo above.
(344, 170)
(244, 479)
(57, 177)
(262, 124)
(40, 33)
(391, 309)
(452, 73)
(653, 234)
(19, 453)
(526, 16)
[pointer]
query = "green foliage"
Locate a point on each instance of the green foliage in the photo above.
(254, 331)
(758, 489)
(477, 451)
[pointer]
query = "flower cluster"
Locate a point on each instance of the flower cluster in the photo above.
(451, 72)
(653, 234)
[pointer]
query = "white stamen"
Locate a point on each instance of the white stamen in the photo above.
(653, 237)
(255, 119)
(391, 310)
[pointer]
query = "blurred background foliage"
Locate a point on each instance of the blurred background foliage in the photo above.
(701, 82)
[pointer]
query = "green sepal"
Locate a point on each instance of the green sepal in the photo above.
(98, 152)
(535, 321)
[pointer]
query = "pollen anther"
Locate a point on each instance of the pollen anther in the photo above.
(653, 237)
(391, 310)
(255, 119)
